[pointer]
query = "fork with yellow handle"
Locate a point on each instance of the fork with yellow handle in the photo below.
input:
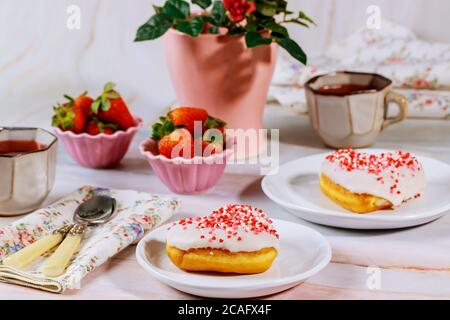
(58, 261)
(24, 257)
(95, 211)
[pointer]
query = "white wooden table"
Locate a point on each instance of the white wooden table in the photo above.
(414, 262)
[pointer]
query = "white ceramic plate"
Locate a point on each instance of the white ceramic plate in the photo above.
(296, 188)
(303, 252)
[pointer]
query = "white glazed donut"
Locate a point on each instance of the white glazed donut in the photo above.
(394, 177)
(233, 239)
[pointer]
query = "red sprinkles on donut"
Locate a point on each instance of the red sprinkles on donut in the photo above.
(230, 219)
(350, 160)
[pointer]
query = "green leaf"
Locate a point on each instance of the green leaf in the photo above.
(157, 9)
(191, 27)
(95, 106)
(163, 128)
(106, 105)
(109, 86)
(303, 16)
(270, 8)
(177, 9)
(254, 39)
(252, 26)
(212, 122)
(275, 27)
(293, 49)
(297, 21)
(267, 8)
(69, 98)
(154, 28)
(112, 95)
(202, 3)
(218, 14)
(214, 30)
(237, 31)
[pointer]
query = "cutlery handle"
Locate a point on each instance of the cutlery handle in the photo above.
(23, 257)
(58, 261)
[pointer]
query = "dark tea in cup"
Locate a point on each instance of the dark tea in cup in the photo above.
(15, 147)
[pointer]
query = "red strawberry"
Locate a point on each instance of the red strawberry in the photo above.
(178, 139)
(167, 131)
(186, 117)
(109, 107)
(83, 101)
(95, 127)
(69, 118)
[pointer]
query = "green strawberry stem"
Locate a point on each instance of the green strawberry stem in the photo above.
(102, 102)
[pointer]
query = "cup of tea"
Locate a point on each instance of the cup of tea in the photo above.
(27, 168)
(350, 109)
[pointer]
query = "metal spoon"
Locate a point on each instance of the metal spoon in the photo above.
(97, 210)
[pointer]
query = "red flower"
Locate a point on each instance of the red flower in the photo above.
(238, 8)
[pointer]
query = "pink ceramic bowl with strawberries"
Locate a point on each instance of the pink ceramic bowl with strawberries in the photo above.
(98, 151)
(186, 176)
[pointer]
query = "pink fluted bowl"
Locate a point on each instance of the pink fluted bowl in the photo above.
(185, 176)
(99, 151)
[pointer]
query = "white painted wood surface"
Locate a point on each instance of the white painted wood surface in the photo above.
(414, 262)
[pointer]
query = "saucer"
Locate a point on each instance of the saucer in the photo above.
(303, 253)
(296, 188)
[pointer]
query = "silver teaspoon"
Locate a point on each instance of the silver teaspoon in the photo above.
(96, 211)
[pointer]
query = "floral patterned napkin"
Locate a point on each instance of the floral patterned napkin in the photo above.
(420, 70)
(136, 213)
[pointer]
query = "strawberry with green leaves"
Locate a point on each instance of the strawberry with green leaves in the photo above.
(95, 127)
(109, 107)
(69, 118)
(186, 117)
(83, 101)
(183, 119)
(178, 143)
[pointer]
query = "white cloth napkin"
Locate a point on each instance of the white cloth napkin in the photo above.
(420, 70)
(136, 213)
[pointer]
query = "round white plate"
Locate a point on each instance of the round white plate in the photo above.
(296, 188)
(303, 252)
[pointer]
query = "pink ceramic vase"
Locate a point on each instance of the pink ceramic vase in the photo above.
(220, 74)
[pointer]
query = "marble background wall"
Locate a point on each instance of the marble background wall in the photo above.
(40, 58)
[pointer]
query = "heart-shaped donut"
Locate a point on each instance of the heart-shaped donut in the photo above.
(363, 182)
(232, 239)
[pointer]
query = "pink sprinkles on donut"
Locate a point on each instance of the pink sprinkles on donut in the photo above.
(231, 219)
(349, 160)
